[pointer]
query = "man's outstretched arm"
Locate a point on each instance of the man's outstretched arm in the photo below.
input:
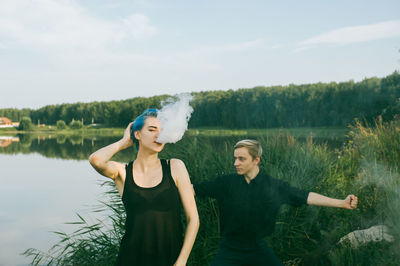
(350, 202)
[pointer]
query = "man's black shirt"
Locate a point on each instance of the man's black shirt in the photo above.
(248, 210)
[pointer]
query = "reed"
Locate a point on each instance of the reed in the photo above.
(377, 151)
(93, 243)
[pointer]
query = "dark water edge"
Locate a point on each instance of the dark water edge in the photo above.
(80, 146)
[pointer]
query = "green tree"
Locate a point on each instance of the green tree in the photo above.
(76, 124)
(61, 124)
(25, 124)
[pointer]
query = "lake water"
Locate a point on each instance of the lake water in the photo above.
(39, 194)
(46, 180)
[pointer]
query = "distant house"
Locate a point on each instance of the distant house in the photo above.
(5, 121)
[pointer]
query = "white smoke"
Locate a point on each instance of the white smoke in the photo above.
(174, 116)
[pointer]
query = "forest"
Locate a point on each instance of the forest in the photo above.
(306, 105)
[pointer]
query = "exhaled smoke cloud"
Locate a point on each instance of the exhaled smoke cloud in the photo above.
(174, 116)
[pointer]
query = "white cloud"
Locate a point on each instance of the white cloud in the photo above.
(206, 57)
(138, 26)
(354, 34)
(234, 47)
(198, 58)
(63, 25)
(64, 32)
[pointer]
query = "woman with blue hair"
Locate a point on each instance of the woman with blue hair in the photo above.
(152, 192)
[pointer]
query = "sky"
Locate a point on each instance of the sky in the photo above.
(67, 51)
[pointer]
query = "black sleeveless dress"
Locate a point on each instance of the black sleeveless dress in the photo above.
(153, 228)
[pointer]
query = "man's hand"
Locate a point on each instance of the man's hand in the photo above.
(350, 202)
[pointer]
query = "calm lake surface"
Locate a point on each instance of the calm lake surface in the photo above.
(41, 191)
(46, 180)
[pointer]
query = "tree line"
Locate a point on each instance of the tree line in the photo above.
(318, 104)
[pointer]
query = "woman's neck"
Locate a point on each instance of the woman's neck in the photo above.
(146, 160)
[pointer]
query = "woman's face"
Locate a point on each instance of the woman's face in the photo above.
(148, 135)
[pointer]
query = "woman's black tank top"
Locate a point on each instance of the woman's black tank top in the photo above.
(153, 228)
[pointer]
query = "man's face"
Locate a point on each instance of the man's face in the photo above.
(244, 163)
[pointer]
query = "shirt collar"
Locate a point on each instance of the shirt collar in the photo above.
(258, 179)
(261, 177)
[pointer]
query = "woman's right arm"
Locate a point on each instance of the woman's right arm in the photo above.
(100, 160)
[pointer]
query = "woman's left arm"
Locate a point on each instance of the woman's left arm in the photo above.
(182, 181)
(350, 202)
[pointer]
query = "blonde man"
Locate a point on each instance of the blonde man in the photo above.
(249, 201)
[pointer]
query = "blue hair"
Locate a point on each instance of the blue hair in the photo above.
(138, 123)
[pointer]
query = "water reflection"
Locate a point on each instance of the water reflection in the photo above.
(7, 140)
(79, 147)
(76, 147)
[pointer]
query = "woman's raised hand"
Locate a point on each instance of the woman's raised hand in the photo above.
(126, 140)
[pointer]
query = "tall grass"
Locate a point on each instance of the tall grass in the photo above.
(366, 165)
(93, 243)
(377, 151)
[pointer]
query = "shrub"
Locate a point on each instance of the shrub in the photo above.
(25, 124)
(61, 124)
(76, 124)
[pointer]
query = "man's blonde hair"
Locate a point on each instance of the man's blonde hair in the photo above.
(253, 146)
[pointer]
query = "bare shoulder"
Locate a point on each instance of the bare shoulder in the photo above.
(177, 164)
(178, 170)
